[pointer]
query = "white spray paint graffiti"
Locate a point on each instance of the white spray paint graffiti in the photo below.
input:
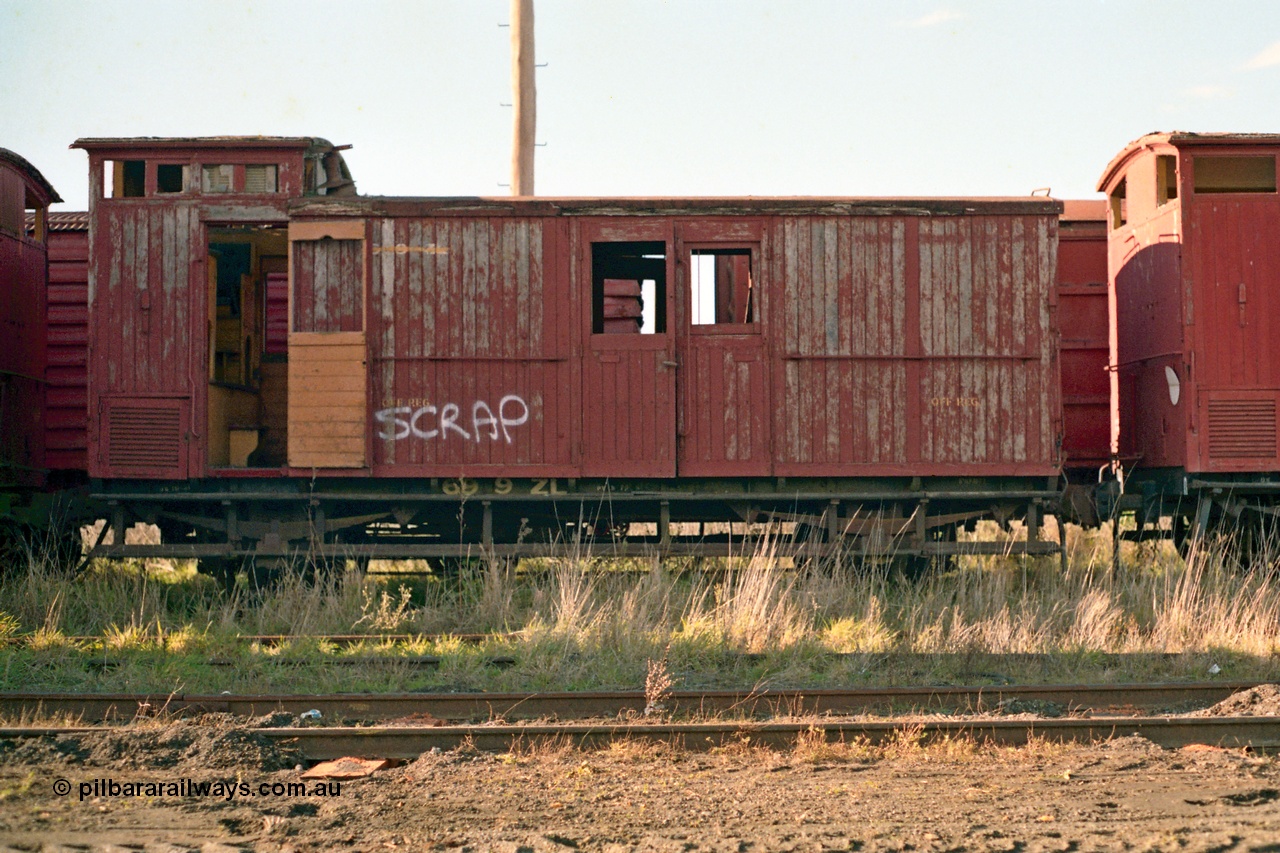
(431, 422)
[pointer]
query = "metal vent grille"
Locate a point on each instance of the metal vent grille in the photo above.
(144, 439)
(1242, 428)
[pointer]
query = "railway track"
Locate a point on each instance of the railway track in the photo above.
(1112, 699)
(320, 743)
(408, 725)
(274, 640)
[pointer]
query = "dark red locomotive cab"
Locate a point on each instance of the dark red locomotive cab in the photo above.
(1195, 345)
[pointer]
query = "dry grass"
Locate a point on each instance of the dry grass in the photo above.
(582, 625)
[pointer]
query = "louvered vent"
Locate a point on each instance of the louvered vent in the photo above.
(1242, 429)
(259, 179)
(147, 440)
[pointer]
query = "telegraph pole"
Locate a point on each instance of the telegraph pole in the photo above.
(525, 97)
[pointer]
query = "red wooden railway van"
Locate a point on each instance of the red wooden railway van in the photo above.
(297, 366)
(1083, 322)
(23, 278)
(1193, 263)
(777, 338)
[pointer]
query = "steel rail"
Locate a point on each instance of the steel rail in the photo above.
(273, 640)
(321, 743)
(1113, 698)
(603, 550)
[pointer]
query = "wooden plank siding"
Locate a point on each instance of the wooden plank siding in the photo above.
(918, 345)
(471, 329)
(327, 399)
(328, 365)
(333, 301)
(884, 344)
(144, 330)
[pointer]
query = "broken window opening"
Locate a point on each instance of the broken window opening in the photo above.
(217, 179)
(1234, 174)
(1166, 178)
(1119, 211)
(721, 286)
(172, 177)
(629, 288)
(124, 178)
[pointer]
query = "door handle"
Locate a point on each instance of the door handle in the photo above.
(670, 364)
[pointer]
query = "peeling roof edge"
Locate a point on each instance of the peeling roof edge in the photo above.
(1180, 138)
(668, 205)
(35, 180)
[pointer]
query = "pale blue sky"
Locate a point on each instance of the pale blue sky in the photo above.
(683, 97)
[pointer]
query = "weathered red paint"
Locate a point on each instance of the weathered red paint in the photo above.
(464, 313)
(890, 338)
(1083, 324)
(149, 332)
(23, 277)
(1194, 338)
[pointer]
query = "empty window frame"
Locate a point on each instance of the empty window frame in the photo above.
(629, 288)
(1166, 178)
(722, 287)
(124, 178)
(1234, 174)
(1119, 210)
(172, 177)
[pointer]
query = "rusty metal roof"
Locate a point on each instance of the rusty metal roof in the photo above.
(45, 192)
(1084, 210)
(1181, 139)
(62, 220)
(670, 206)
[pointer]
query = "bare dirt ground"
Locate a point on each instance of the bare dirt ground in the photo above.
(1126, 794)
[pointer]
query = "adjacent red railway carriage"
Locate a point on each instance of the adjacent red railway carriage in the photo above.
(23, 278)
(66, 406)
(280, 364)
(1083, 324)
(1195, 339)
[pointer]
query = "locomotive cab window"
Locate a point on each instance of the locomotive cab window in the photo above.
(1234, 174)
(1166, 178)
(629, 288)
(124, 178)
(171, 177)
(1118, 206)
(721, 286)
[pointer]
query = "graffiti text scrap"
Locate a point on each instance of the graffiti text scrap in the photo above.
(431, 422)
